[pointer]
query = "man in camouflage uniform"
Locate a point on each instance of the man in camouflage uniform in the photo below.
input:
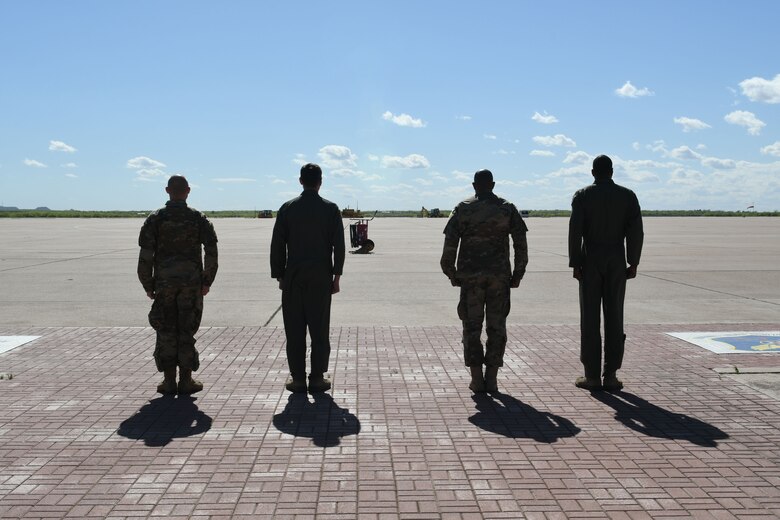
(604, 215)
(482, 224)
(171, 270)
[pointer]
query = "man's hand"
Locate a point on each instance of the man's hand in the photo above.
(150, 294)
(514, 284)
(631, 272)
(577, 273)
(455, 282)
(334, 287)
(280, 283)
(204, 289)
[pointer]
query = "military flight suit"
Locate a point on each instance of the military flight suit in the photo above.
(171, 266)
(482, 224)
(604, 215)
(307, 250)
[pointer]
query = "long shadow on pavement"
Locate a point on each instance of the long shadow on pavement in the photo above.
(323, 421)
(165, 418)
(654, 421)
(507, 416)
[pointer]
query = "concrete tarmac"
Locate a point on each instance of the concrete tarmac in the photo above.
(82, 272)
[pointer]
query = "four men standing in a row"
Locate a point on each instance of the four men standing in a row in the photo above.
(307, 259)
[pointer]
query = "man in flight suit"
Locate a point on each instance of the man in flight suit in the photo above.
(307, 259)
(171, 270)
(605, 232)
(482, 225)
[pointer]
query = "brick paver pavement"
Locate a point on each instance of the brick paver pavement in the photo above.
(83, 434)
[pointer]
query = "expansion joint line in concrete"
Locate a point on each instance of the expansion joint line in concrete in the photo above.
(273, 315)
(67, 259)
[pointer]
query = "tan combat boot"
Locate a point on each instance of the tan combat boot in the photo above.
(187, 385)
(168, 386)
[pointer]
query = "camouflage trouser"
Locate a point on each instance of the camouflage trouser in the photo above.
(175, 315)
(484, 297)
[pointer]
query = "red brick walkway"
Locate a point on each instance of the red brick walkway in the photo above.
(83, 434)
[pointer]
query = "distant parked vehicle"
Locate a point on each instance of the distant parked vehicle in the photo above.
(265, 213)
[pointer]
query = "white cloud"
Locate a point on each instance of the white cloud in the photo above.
(59, 146)
(300, 159)
(690, 124)
(772, 149)
(234, 180)
(146, 167)
(544, 119)
(34, 164)
(577, 158)
(403, 120)
(72, 175)
(554, 140)
(635, 145)
(144, 163)
(684, 152)
(337, 156)
(746, 119)
(489, 136)
(686, 177)
(760, 89)
(410, 161)
(719, 164)
(69, 165)
(630, 91)
(462, 176)
(372, 157)
(423, 182)
(463, 118)
(504, 152)
(542, 153)
(701, 146)
(642, 176)
(278, 181)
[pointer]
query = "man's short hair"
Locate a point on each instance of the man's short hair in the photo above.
(483, 177)
(178, 184)
(602, 166)
(311, 175)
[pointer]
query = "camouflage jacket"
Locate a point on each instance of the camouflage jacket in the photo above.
(482, 225)
(603, 216)
(171, 256)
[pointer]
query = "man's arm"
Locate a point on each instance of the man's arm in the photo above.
(147, 241)
(210, 259)
(337, 240)
(518, 230)
(279, 246)
(450, 251)
(576, 227)
(635, 236)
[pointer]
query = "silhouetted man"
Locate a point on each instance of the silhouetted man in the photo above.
(171, 270)
(307, 258)
(605, 232)
(482, 225)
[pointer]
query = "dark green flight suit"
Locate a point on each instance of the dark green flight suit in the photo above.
(605, 231)
(482, 225)
(307, 250)
(171, 266)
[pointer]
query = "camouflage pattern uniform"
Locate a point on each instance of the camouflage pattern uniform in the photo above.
(171, 267)
(482, 224)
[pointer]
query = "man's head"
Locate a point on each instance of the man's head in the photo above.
(483, 181)
(178, 188)
(311, 176)
(602, 167)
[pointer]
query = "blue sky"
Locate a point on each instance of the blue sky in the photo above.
(400, 102)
